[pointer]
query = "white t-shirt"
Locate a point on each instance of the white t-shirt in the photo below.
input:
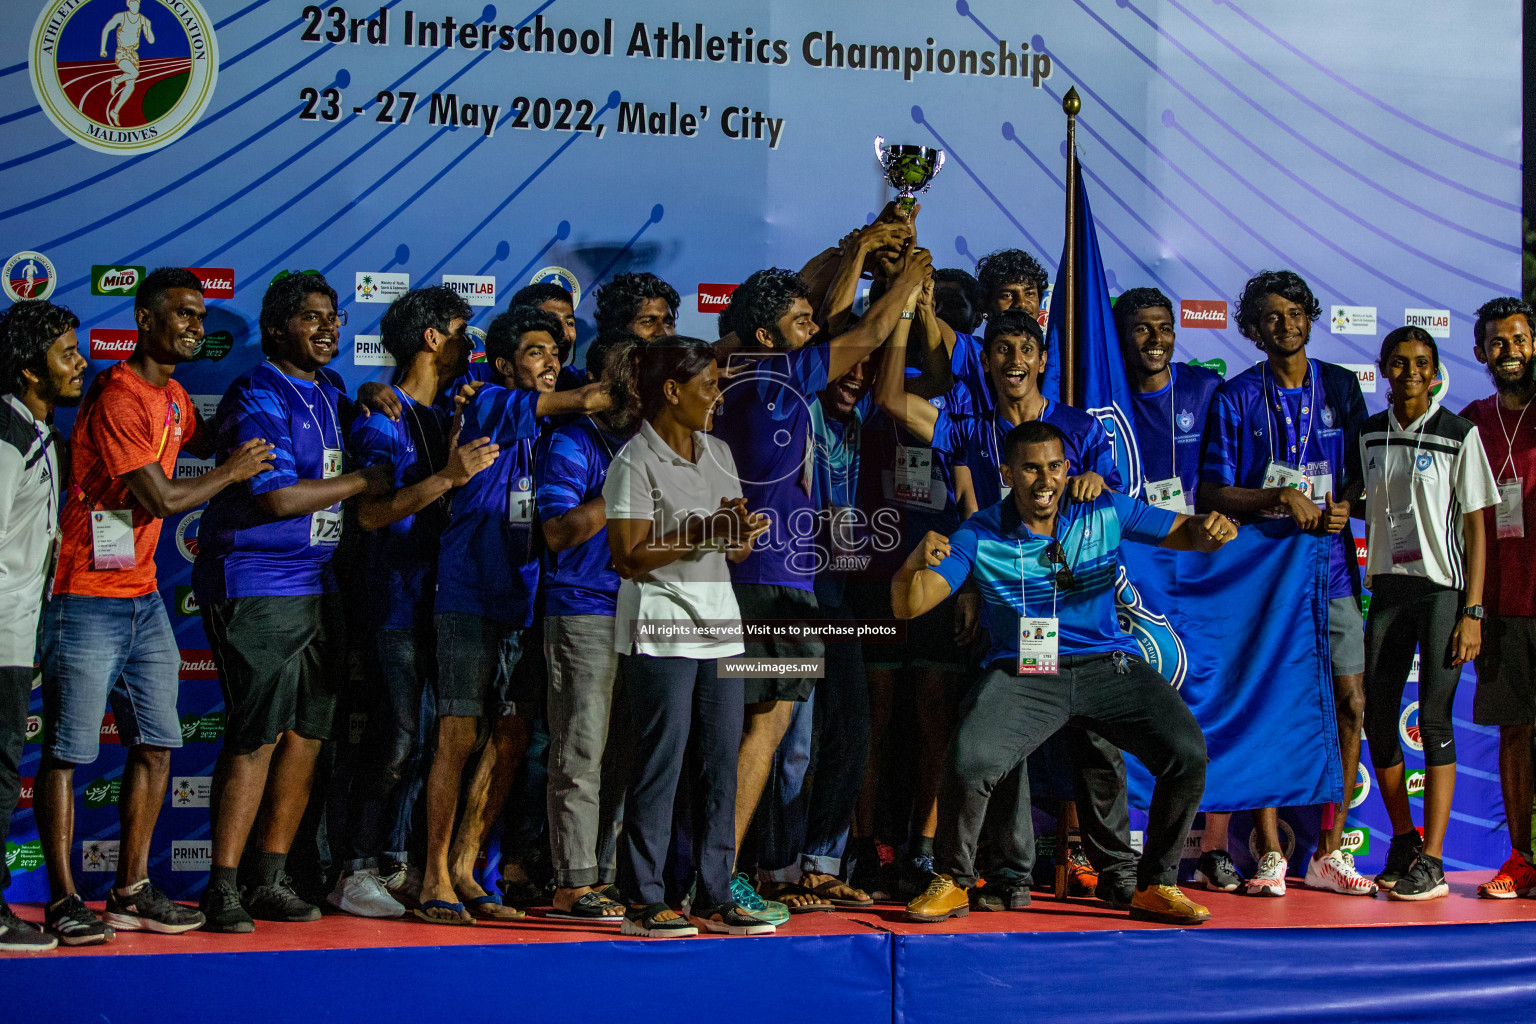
(1437, 463)
(29, 524)
(648, 480)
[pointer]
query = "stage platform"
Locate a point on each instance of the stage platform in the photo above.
(1310, 956)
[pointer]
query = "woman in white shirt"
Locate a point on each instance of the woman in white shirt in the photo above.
(675, 514)
(1427, 481)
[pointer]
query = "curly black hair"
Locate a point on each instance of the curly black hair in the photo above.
(283, 300)
(507, 330)
(409, 316)
(27, 331)
(540, 292)
(970, 292)
(762, 300)
(1009, 266)
(1015, 321)
(1499, 309)
(161, 280)
(1284, 283)
(619, 300)
(1134, 300)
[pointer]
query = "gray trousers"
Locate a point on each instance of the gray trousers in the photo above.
(588, 756)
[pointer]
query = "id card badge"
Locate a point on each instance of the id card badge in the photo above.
(1319, 487)
(330, 463)
(1510, 515)
(1037, 646)
(325, 528)
(1168, 494)
(520, 501)
(1404, 529)
(112, 540)
(913, 477)
(1278, 474)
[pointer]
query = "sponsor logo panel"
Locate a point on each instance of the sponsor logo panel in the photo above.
(713, 298)
(1435, 322)
(475, 289)
(98, 856)
(1208, 313)
(1367, 374)
(191, 854)
(191, 790)
(374, 286)
(1352, 319)
(112, 279)
(368, 350)
(218, 282)
(111, 343)
(197, 664)
(28, 275)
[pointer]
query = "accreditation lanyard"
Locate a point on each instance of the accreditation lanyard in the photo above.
(995, 444)
(520, 490)
(1290, 472)
(1039, 636)
(1402, 525)
(324, 525)
(1169, 494)
(1510, 515)
(112, 541)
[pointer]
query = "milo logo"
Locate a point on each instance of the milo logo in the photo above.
(1357, 841)
(102, 792)
(34, 729)
(1415, 781)
(115, 280)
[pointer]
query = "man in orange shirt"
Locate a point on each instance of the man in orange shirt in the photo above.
(106, 636)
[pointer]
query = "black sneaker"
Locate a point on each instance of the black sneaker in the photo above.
(146, 908)
(222, 910)
(278, 902)
(1116, 892)
(1216, 872)
(1425, 880)
(72, 922)
(18, 936)
(988, 898)
(1400, 856)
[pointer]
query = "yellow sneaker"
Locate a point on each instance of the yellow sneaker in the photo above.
(942, 900)
(1167, 904)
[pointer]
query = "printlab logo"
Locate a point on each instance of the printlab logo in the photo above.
(191, 854)
(98, 856)
(189, 468)
(28, 275)
(562, 277)
(368, 350)
(1352, 319)
(378, 287)
(186, 535)
(191, 790)
(115, 280)
(1211, 313)
(1365, 373)
(123, 76)
(1435, 322)
(475, 289)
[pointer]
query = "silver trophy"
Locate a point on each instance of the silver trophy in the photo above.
(908, 169)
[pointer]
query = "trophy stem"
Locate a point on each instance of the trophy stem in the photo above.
(904, 205)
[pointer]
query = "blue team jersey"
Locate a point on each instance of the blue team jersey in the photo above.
(969, 366)
(1316, 427)
(580, 580)
(841, 531)
(1016, 577)
(765, 418)
(1169, 423)
(402, 557)
(243, 551)
(980, 440)
(489, 565)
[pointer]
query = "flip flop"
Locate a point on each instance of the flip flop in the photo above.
(783, 889)
(589, 907)
(825, 889)
(490, 908)
(425, 913)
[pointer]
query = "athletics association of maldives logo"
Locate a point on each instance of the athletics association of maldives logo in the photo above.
(123, 76)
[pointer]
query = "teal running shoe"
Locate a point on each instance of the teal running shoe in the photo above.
(747, 899)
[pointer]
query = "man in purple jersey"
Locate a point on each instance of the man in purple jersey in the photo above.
(264, 580)
(766, 420)
(1282, 442)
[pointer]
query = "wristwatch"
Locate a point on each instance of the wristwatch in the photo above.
(1473, 611)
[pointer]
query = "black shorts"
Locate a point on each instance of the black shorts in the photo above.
(773, 602)
(281, 663)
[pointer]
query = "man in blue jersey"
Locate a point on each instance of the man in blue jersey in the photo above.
(424, 331)
(765, 418)
(586, 740)
(270, 606)
(1046, 569)
(1009, 279)
(1169, 403)
(488, 576)
(1282, 442)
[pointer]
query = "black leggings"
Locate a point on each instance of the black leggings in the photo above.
(1409, 612)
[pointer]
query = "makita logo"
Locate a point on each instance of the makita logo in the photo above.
(198, 665)
(713, 298)
(114, 344)
(25, 800)
(218, 282)
(1211, 313)
(109, 730)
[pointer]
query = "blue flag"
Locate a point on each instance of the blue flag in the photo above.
(1243, 633)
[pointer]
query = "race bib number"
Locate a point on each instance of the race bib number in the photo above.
(324, 529)
(330, 463)
(1169, 494)
(1038, 645)
(1509, 518)
(1404, 529)
(112, 540)
(520, 501)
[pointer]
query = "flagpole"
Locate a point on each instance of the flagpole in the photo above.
(1067, 304)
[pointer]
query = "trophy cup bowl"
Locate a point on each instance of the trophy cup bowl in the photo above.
(908, 169)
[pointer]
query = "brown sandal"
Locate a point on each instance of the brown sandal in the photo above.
(778, 890)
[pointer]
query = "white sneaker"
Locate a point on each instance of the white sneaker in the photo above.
(1336, 873)
(1269, 879)
(363, 893)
